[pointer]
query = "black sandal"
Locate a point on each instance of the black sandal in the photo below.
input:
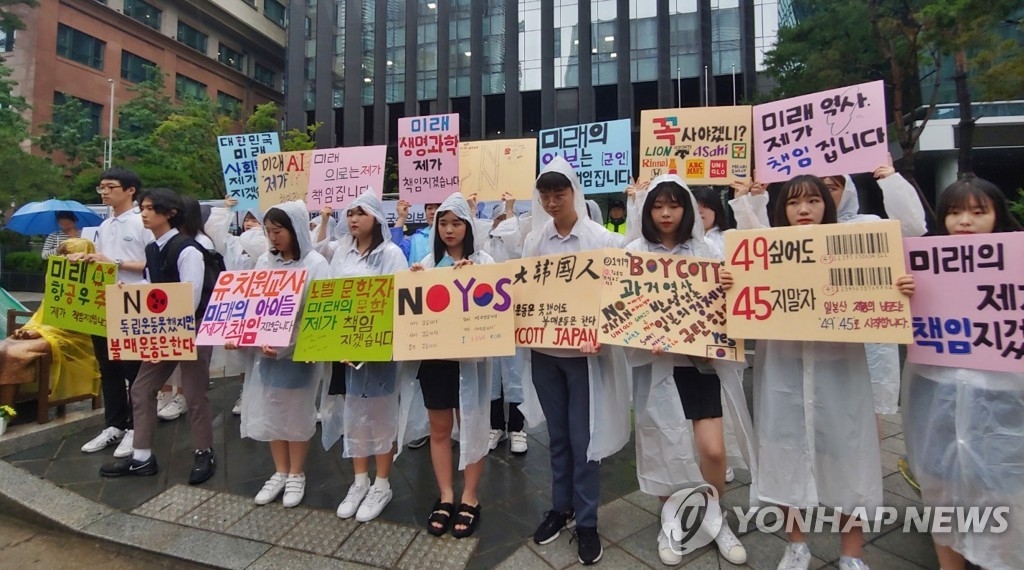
(468, 517)
(442, 515)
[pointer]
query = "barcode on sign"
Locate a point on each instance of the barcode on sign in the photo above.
(857, 244)
(860, 276)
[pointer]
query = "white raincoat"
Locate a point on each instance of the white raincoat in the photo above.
(666, 455)
(279, 399)
(368, 414)
(507, 370)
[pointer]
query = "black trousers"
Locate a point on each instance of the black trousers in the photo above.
(114, 374)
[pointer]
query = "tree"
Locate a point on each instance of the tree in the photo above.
(26, 177)
(187, 141)
(139, 117)
(10, 20)
(264, 120)
(71, 134)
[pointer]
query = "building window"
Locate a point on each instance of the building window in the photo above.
(144, 12)
(230, 106)
(274, 11)
(93, 110)
(229, 57)
(6, 39)
(135, 68)
(188, 88)
(251, 3)
(264, 76)
(80, 47)
(191, 37)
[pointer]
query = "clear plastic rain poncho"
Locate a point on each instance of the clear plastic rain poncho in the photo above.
(279, 399)
(666, 454)
(474, 373)
(609, 373)
(368, 414)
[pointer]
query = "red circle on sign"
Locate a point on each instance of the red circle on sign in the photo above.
(438, 298)
(156, 301)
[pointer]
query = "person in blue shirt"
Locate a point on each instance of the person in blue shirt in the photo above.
(417, 245)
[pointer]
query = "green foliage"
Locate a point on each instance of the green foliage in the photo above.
(24, 262)
(10, 20)
(1017, 206)
(300, 139)
(264, 120)
(71, 135)
(13, 241)
(187, 141)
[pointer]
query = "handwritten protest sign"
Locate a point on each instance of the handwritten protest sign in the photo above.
(151, 322)
(839, 131)
(447, 313)
(283, 177)
(253, 307)
(339, 175)
(981, 324)
(557, 299)
(670, 301)
(706, 145)
(238, 163)
(428, 158)
(491, 168)
(600, 153)
(347, 319)
(829, 282)
(76, 298)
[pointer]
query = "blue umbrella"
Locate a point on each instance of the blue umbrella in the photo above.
(40, 218)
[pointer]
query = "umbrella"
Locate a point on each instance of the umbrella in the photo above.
(40, 218)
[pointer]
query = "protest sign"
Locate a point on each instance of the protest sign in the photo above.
(839, 131)
(151, 322)
(448, 313)
(827, 282)
(428, 158)
(238, 163)
(491, 168)
(253, 307)
(76, 297)
(670, 301)
(347, 319)
(968, 301)
(283, 177)
(339, 175)
(706, 145)
(600, 153)
(557, 298)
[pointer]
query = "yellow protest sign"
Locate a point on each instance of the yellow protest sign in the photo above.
(347, 319)
(151, 322)
(703, 145)
(75, 297)
(827, 282)
(283, 176)
(491, 168)
(557, 299)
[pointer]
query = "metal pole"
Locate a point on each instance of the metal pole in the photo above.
(679, 88)
(706, 102)
(734, 84)
(110, 127)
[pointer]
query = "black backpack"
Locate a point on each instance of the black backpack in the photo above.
(214, 265)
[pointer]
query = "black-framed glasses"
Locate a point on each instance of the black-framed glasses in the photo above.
(104, 189)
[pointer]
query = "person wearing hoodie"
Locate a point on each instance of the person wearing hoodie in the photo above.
(416, 245)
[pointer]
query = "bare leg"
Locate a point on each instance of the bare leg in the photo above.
(710, 439)
(384, 462)
(441, 423)
(279, 451)
(361, 465)
(949, 559)
(297, 451)
(795, 533)
(851, 542)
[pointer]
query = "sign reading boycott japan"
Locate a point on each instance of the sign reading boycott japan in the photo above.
(600, 153)
(491, 168)
(449, 313)
(709, 145)
(428, 158)
(238, 162)
(982, 325)
(347, 319)
(283, 177)
(557, 298)
(75, 297)
(339, 175)
(839, 131)
(253, 307)
(151, 322)
(829, 282)
(674, 302)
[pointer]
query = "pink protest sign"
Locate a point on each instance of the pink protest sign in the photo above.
(428, 158)
(840, 131)
(339, 175)
(968, 305)
(254, 307)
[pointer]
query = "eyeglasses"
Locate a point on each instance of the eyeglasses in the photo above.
(104, 189)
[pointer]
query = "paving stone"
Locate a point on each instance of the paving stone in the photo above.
(559, 554)
(895, 483)
(614, 557)
(649, 503)
(913, 546)
(173, 503)
(875, 557)
(620, 519)
(320, 532)
(890, 429)
(377, 543)
(268, 523)
(438, 552)
(285, 559)
(218, 513)
(890, 462)
(523, 559)
(765, 550)
(895, 445)
(47, 500)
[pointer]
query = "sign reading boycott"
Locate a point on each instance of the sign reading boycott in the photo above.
(447, 313)
(491, 168)
(283, 177)
(75, 297)
(347, 319)
(557, 298)
(829, 282)
(339, 175)
(151, 322)
(238, 163)
(253, 307)
(674, 302)
(708, 145)
(600, 153)
(837, 131)
(428, 158)
(981, 325)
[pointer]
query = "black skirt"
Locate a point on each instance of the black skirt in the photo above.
(439, 381)
(701, 394)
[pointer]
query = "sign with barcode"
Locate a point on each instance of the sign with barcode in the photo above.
(830, 282)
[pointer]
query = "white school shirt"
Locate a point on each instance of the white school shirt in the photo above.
(191, 267)
(124, 237)
(551, 244)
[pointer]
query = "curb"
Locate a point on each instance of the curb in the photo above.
(27, 436)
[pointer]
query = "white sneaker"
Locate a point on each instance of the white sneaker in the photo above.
(124, 449)
(353, 499)
(373, 504)
(174, 409)
(294, 490)
(109, 436)
(797, 557)
(517, 443)
(497, 436)
(730, 475)
(848, 563)
(162, 399)
(271, 489)
(729, 546)
(237, 409)
(668, 556)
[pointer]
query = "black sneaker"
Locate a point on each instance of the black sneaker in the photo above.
(204, 467)
(129, 466)
(553, 524)
(588, 544)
